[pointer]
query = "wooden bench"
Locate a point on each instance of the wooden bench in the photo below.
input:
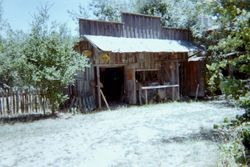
(146, 88)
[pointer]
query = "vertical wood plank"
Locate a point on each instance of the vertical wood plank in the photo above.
(7, 102)
(1, 111)
(146, 96)
(13, 102)
(173, 80)
(98, 87)
(178, 80)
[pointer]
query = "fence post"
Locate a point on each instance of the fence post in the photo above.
(35, 94)
(17, 101)
(26, 102)
(1, 111)
(13, 101)
(22, 102)
(7, 102)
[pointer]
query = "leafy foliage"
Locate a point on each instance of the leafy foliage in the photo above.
(108, 10)
(48, 59)
(231, 52)
(229, 67)
(10, 51)
(104, 10)
(191, 14)
(178, 14)
(44, 58)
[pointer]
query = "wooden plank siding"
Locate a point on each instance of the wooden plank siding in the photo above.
(96, 27)
(193, 74)
(165, 63)
(133, 26)
(141, 26)
(172, 68)
(176, 34)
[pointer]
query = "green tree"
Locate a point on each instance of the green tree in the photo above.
(10, 52)
(10, 44)
(105, 10)
(229, 66)
(230, 52)
(48, 61)
(108, 10)
(1, 19)
(173, 13)
(178, 14)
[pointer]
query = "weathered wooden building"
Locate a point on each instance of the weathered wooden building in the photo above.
(136, 61)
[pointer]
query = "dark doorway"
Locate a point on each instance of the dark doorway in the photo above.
(113, 84)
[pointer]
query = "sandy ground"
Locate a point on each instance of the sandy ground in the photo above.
(154, 135)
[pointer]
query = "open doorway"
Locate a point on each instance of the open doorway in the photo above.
(113, 84)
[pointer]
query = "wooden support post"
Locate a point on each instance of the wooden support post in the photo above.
(134, 91)
(7, 102)
(104, 99)
(1, 111)
(130, 83)
(13, 102)
(98, 87)
(35, 94)
(17, 101)
(146, 96)
(140, 92)
(197, 92)
(178, 80)
(173, 80)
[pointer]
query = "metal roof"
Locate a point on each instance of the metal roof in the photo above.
(131, 45)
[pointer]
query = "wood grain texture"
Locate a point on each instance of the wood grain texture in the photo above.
(133, 26)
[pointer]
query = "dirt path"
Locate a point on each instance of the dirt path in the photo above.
(175, 134)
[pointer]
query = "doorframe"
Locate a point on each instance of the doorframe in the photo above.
(98, 86)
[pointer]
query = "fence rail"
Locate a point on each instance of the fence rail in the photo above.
(21, 102)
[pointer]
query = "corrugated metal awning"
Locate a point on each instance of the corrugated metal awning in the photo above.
(131, 45)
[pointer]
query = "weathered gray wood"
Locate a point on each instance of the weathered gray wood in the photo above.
(13, 102)
(133, 26)
(140, 94)
(1, 107)
(149, 69)
(173, 81)
(159, 87)
(16, 102)
(109, 65)
(98, 87)
(178, 80)
(7, 102)
(104, 99)
(197, 92)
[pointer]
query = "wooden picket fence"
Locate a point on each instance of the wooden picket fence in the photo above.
(22, 102)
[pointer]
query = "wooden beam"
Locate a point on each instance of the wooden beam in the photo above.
(146, 96)
(98, 87)
(173, 80)
(155, 69)
(159, 86)
(140, 93)
(104, 99)
(197, 92)
(178, 80)
(109, 65)
(134, 86)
